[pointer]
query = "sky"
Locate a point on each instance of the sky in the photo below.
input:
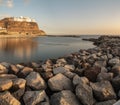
(67, 17)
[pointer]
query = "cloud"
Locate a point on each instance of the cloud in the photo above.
(9, 3)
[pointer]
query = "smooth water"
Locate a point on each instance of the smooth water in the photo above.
(17, 50)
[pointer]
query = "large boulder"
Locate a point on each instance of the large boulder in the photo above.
(60, 82)
(65, 97)
(109, 102)
(35, 98)
(85, 94)
(5, 84)
(103, 91)
(117, 103)
(35, 81)
(7, 99)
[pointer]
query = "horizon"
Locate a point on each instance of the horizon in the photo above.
(67, 17)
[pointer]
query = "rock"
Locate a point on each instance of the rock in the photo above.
(84, 94)
(59, 82)
(19, 66)
(69, 74)
(117, 103)
(47, 68)
(61, 61)
(116, 70)
(109, 102)
(103, 91)
(80, 80)
(35, 81)
(19, 83)
(7, 76)
(79, 72)
(114, 61)
(100, 63)
(64, 97)
(5, 84)
(103, 70)
(49, 62)
(23, 73)
(59, 70)
(70, 67)
(35, 65)
(3, 69)
(13, 69)
(47, 75)
(7, 65)
(110, 56)
(104, 76)
(35, 98)
(7, 99)
(91, 73)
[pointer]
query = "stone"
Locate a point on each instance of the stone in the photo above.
(109, 102)
(64, 97)
(59, 70)
(104, 76)
(5, 84)
(35, 65)
(49, 62)
(104, 70)
(103, 91)
(69, 74)
(62, 61)
(19, 83)
(100, 63)
(8, 76)
(19, 66)
(13, 69)
(114, 61)
(47, 75)
(91, 73)
(3, 69)
(35, 98)
(80, 80)
(7, 99)
(70, 67)
(117, 103)
(85, 94)
(47, 68)
(116, 70)
(7, 65)
(35, 81)
(23, 73)
(59, 82)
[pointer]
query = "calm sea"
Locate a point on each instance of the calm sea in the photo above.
(17, 50)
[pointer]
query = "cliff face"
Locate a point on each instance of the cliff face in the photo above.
(20, 28)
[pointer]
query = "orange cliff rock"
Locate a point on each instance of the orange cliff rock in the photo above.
(10, 26)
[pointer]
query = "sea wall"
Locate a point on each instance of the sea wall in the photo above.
(87, 77)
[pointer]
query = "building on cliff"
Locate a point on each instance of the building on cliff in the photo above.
(20, 26)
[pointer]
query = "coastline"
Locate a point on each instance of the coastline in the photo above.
(78, 75)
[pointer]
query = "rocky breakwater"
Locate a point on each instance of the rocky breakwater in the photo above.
(87, 77)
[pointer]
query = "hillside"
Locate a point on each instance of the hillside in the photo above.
(13, 27)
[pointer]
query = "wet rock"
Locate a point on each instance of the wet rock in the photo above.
(7, 99)
(69, 74)
(109, 102)
(116, 70)
(5, 84)
(35, 81)
(64, 97)
(3, 69)
(23, 73)
(84, 94)
(13, 69)
(59, 70)
(91, 73)
(80, 80)
(104, 76)
(60, 82)
(114, 61)
(70, 67)
(35, 98)
(103, 91)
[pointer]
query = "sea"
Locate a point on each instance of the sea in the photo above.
(23, 50)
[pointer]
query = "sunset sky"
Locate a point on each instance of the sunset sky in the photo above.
(68, 16)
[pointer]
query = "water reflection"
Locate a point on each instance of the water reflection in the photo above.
(19, 47)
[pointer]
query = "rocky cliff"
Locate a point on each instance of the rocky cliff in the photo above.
(11, 27)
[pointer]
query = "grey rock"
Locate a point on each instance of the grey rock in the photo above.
(19, 66)
(7, 99)
(109, 102)
(35, 81)
(103, 91)
(100, 63)
(69, 74)
(116, 70)
(59, 70)
(114, 61)
(7, 65)
(60, 82)
(85, 94)
(35, 98)
(35, 65)
(64, 97)
(117, 103)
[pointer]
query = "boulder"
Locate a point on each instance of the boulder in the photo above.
(64, 97)
(59, 70)
(47, 75)
(35, 98)
(13, 69)
(109, 102)
(7, 99)
(35, 81)
(80, 80)
(3, 69)
(117, 103)
(103, 91)
(114, 61)
(70, 67)
(59, 82)
(69, 74)
(5, 84)
(85, 94)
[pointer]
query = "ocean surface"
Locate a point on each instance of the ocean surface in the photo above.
(18, 50)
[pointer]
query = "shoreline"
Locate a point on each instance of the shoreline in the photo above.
(88, 77)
